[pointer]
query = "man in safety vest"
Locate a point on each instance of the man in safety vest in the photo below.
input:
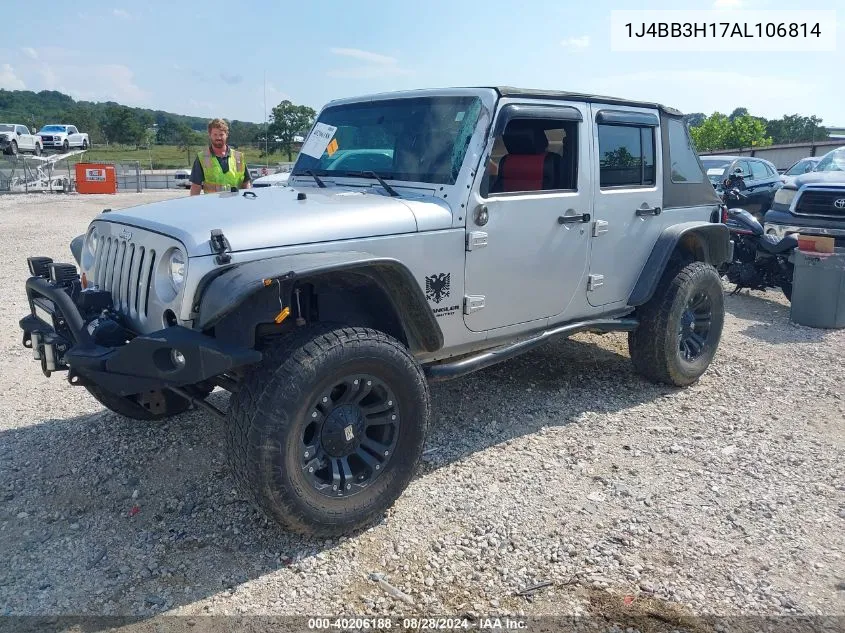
(218, 167)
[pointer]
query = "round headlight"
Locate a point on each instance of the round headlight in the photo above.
(91, 241)
(177, 269)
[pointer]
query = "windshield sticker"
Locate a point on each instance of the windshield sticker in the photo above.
(318, 140)
(459, 116)
(715, 171)
(331, 148)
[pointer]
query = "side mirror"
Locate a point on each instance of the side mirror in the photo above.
(33, 131)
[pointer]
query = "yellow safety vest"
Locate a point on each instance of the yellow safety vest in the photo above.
(213, 177)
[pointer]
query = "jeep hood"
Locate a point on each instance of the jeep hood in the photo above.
(276, 216)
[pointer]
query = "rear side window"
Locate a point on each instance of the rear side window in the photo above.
(758, 171)
(626, 155)
(683, 162)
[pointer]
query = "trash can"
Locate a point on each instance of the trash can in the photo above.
(818, 289)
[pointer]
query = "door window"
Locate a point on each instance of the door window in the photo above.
(22, 130)
(758, 171)
(626, 156)
(684, 163)
(71, 130)
(533, 155)
(744, 167)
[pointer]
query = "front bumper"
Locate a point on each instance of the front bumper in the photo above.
(783, 223)
(60, 339)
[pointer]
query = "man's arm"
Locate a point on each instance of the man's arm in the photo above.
(196, 178)
(247, 183)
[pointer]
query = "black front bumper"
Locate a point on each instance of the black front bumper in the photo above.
(58, 337)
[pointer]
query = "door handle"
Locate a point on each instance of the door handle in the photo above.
(648, 211)
(571, 219)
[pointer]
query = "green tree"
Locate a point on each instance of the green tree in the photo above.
(120, 125)
(747, 131)
(794, 128)
(288, 120)
(694, 119)
(738, 112)
(711, 134)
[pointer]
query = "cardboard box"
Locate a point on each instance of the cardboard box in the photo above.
(815, 243)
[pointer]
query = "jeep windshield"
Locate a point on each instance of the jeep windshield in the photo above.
(416, 140)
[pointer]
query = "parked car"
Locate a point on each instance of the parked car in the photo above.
(182, 178)
(813, 203)
(759, 180)
(802, 166)
(15, 138)
(272, 180)
(63, 137)
(326, 307)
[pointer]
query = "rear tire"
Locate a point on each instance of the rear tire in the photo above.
(680, 326)
(324, 434)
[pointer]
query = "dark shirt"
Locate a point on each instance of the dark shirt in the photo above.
(196, 170)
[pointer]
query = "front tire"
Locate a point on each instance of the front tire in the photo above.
(65, 146)
(148, 407)
(13, 148)
(680, 326)
(324, 434)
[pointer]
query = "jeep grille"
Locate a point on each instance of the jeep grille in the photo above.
(126, 270)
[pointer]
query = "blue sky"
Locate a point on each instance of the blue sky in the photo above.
(208, 58)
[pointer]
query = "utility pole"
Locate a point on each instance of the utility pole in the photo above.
(266, 155)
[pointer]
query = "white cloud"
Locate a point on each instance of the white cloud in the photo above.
(576, 43)
(376, 65)
(9, 80)
(120, 13)
(364, 55)
(728, 4)
(71, 72)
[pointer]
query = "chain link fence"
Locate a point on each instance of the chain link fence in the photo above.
(27, 174)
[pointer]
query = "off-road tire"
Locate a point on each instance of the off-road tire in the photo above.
(655, 344)
(270, 413)
(131, 407)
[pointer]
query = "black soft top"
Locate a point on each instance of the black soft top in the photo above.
(509, 91)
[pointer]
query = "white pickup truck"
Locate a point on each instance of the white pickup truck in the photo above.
(63, 137)
(15, 138)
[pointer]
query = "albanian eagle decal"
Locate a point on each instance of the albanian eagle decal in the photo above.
(437, 287)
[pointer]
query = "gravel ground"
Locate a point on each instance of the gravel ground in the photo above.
(562, 466)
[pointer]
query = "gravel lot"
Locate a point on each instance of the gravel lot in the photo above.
(561, 466)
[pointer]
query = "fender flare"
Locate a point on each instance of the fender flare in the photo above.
(224, 291)
(713, 245)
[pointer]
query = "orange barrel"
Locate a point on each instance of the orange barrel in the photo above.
(95, 178)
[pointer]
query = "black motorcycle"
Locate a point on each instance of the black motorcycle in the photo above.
(760, 261)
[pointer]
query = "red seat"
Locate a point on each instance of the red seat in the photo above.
(527, 166)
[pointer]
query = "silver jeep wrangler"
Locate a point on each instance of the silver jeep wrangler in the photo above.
(422, 235)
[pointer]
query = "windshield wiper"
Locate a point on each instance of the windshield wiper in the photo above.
(308, 172)
(372, 174)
